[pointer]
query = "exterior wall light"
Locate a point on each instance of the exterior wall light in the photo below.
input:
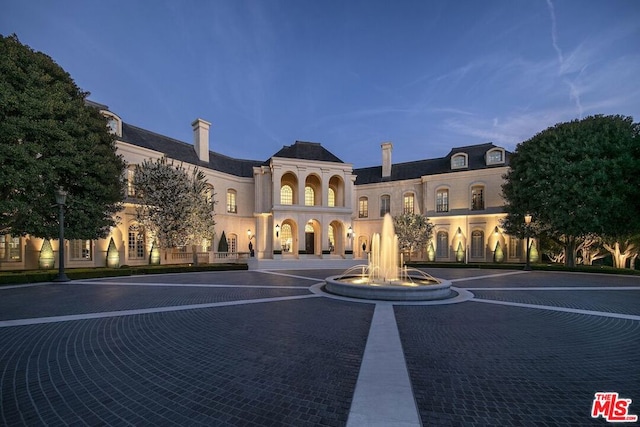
(277, 230)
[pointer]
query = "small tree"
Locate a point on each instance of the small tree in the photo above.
(174, 206)
(223, 245)
(413, 231)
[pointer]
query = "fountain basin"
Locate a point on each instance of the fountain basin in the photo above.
(417, 290)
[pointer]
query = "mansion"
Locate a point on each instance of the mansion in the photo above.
(305, 203)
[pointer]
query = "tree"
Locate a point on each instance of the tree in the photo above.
(413, 231)
(576, 178)
(174, 206)
(50, 137)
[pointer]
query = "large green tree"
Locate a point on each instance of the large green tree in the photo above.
(576, 179)
(174, 205)
(50, 138)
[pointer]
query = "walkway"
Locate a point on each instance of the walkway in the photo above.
(270, 348)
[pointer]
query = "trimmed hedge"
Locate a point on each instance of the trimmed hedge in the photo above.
(35, 276)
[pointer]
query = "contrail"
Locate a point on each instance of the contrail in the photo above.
(554, 34)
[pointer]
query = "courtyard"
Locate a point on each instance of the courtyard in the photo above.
(260, 348)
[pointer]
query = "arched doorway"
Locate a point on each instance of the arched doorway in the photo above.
(312, 238)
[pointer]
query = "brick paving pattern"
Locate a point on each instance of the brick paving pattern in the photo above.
(265, 361)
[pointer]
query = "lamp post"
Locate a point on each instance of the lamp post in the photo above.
(61, 198)
(250, 244)
(527, 223)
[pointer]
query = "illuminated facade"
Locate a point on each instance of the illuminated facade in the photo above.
(304, 202)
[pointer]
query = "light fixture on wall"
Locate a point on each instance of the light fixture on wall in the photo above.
(277, 230)
(249, 235)
(349, 232)
(459, 231)
(496, 231)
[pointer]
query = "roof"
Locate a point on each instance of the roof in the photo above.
(419, 168)
(184, 152)
(307, 151)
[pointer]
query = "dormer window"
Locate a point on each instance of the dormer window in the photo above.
(495, 156)
(114, 124)
(459, 161)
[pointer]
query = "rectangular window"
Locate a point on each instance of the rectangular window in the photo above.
(442, 201)
(131, 190)
(232, 207)
(495, 156)
(408, 204)
(514, 247)
(385, 205)
(363, 208)
(477, 198)
(14, 249)
(80, 249)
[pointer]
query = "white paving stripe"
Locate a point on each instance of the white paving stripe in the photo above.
(488, 276)
(383, 395)
(72, 317)
(563, 309)
(275, 273)
(193, 285)
(562, 288)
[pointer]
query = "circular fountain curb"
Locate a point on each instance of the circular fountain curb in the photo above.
(390, 292)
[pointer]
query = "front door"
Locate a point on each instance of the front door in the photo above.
(309, 240)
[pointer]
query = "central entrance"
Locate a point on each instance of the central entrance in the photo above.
(309, 239)
(309, 243)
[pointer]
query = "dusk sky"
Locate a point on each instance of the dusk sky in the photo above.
(425, 75)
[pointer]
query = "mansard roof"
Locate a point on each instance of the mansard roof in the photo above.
(307, 151)
(184, 152)
(416, 169)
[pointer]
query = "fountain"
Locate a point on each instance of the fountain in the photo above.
(385, 277)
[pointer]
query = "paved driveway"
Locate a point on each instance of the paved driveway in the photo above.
(256, 348)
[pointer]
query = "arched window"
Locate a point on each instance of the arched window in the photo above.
(385, 204)
(136, 242)
(442, 244)
(131, 175)
(332, 240)
(477, 244)
(363, 207)
(477, 197)
(515, 247)
(232, 206)
(332, 198)
(309, 196)
(286, 195)
(232, 242)
(408, 203)
(442, 200)
(459, 161)
(286, 238)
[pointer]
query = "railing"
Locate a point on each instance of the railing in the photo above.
(234, 257)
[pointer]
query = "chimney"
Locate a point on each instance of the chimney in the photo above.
(387, 147)
(201, 139)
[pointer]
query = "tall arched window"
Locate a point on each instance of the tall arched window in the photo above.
(232, 206)
(363, 207)
(442, 244)
(385, 204)
(286, 195)
(332, 240)
(477, 244)
(232, 242)
(477, 197)
(309, 196)
(136, 242)
(332, 198)
(442, 200)
(408, 202)
(286, 238)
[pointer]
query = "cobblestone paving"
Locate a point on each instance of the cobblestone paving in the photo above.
(262, 361)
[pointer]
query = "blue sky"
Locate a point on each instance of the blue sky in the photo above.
(426, 75)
